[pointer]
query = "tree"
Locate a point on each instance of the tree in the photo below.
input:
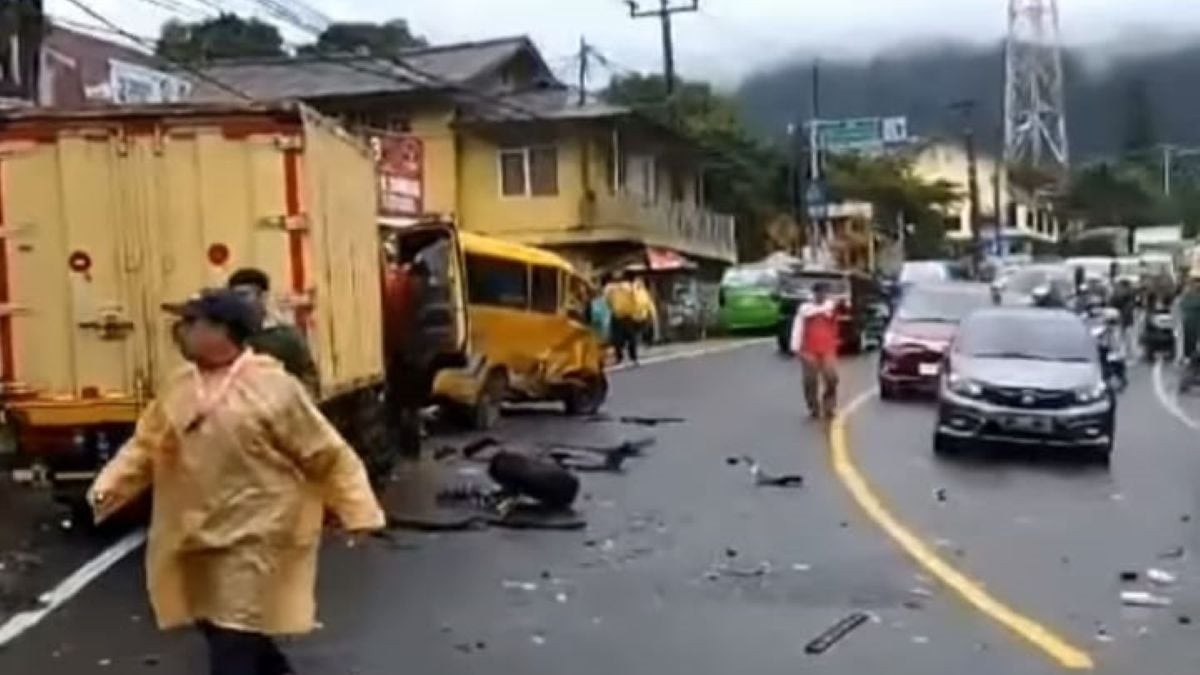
(383, 40)
(744, 176)
(222, 37)
(898, 195)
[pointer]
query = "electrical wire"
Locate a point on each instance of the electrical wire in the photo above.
(195, 72)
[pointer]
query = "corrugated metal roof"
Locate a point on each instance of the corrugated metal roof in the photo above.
(310, 77)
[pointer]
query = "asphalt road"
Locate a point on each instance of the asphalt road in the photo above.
(662, 579)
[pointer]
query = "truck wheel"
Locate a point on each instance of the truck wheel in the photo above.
(485, 414)
(588, 397)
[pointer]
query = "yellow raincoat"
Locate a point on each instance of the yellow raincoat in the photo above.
(241, 481)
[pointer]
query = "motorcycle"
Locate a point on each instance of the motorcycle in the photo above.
(1105, 326)
(1158, 334)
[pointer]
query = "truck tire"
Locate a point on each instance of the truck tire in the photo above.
(587, 397)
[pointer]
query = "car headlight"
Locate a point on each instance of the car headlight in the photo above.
(1091, 394)
(964, 386)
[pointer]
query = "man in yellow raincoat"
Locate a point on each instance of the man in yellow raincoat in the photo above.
(242, 467)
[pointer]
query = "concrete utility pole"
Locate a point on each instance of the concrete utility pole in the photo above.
(967, 108)
(664, 12)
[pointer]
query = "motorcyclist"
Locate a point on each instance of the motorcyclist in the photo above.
(1124, 300)
(1044, 296)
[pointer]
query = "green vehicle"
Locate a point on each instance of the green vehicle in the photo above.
(749, 299)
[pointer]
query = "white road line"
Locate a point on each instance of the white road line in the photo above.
(68, 588)
(71, 586)
(1168, 401)
(693, 353)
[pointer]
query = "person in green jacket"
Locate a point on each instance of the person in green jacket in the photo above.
(1189, 314)
(275, 338)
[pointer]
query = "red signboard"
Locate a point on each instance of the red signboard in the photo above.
(401, 162)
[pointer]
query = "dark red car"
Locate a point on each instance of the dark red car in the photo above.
(921, 329)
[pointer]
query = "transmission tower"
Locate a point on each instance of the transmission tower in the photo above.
(1035, 114)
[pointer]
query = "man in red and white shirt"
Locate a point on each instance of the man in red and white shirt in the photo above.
(815, 340)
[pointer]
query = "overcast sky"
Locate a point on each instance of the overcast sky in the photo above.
(724, 41)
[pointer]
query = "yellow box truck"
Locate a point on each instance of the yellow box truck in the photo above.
(106, 215)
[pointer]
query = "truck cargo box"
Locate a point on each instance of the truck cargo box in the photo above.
(106, 215)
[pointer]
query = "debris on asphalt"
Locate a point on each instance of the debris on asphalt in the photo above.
(1144, 599)
(1185, 518)
(538, 639)
(921, 592)
(1160, 577)
(151, 660)
(913, 604)
(801, 567)
(732, 461)
(560, 598)
(1102, 635)
(731, 553)
(650, 421)
(920, 640)
(1184, 620)
(835, 633)
(1129, 576)
(763, 478)
(1173, 553)
(479, 445)
(66, 524)
(104, 663)
(940, 494)
(527, 586)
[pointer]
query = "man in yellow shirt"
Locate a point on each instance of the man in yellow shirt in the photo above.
(622, 300)
(647, 311)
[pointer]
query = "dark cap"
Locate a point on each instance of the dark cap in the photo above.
(222, 307)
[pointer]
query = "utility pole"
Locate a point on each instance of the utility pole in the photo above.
(1166, 158)
(967, 108)
(664, 12)
(584, 52)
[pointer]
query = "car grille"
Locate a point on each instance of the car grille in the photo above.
(907, 360)
(1031, 399)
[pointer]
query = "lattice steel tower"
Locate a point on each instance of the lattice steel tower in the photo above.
(1035, 114)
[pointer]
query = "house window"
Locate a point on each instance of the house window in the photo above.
(496, 282)
(531, 171)
(543, 296)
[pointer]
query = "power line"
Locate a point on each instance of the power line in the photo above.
(87, 9)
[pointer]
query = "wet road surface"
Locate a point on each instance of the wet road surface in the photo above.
(646, 587)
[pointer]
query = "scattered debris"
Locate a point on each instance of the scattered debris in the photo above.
(762, 569)
(1144, 599)
(844, 524)
(1160, 577)
(650, 421)
(151, 660)
(1173, 553)
(1129, 576)
(1184, 620)
(732, 461)
(1143, 631)
(921, 592)
(66, 524)
(835, 633)
(538, 639)
(1117, 497)
(920, 640)
(527, 586)
(1185, 518)
(801, 567)
(764, 479)
(561, 598)
(731, 553)
(913, 604)
(1102, 635)
(104, 663)
(940, 494)
(479, 445)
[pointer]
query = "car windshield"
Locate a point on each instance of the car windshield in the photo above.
(750, 277)
(1024, 281)
(918, 272)
(942, 305)
(801, 283)
(1038, 335)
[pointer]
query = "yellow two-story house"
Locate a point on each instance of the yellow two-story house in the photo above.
(509, 151)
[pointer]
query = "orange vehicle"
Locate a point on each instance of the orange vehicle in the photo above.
(107, 215)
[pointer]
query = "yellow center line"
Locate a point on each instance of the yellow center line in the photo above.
(1057, 648)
